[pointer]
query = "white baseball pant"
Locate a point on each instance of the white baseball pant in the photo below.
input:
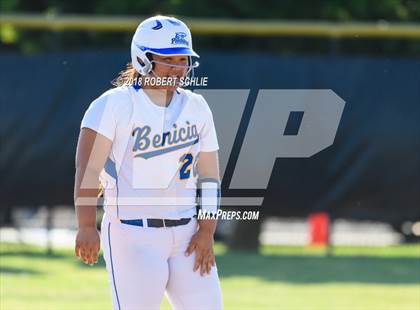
(144, 263)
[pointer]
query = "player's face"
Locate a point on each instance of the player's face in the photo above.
(174, 67)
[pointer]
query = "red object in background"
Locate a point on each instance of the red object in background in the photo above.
(319, 225)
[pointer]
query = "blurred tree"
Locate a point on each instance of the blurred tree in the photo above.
(331, 10)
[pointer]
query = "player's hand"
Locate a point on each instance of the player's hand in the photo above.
(88, 245)
(202, 243)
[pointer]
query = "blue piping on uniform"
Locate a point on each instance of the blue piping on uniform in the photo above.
(112, 265)
(110, 168)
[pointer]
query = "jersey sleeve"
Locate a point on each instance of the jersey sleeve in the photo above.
(100, 117)
(208, 136)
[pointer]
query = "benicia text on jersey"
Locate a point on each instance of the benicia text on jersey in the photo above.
(143, 139)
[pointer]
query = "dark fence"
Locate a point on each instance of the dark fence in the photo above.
(372, 171)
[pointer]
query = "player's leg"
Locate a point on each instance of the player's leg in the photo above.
(187, 289)
(136, 263)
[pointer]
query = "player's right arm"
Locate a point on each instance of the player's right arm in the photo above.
(92, 151)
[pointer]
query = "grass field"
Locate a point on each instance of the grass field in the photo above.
(279, 278)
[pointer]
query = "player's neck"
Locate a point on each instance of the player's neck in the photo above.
(160, 97)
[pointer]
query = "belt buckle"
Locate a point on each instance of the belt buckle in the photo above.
(164, 224)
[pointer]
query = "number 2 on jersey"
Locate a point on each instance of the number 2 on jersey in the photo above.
(185, 171)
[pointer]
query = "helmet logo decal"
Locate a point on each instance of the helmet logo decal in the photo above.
(158, 25)
(180, 38)
(174, 22)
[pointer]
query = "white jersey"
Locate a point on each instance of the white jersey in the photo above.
(151, 171)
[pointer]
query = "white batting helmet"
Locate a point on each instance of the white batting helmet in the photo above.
(160, 35)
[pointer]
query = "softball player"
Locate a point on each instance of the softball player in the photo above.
(153, 147)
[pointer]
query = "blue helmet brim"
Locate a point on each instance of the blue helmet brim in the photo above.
(172, 51)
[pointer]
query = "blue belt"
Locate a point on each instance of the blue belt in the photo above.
(158, 222)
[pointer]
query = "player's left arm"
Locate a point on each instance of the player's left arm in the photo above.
(202, 242)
